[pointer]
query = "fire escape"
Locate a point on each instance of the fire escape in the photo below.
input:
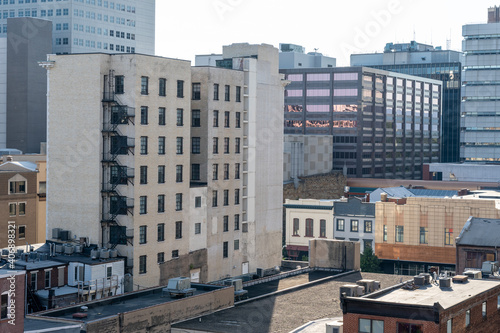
(115, 174)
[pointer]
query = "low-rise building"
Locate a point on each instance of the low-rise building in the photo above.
(12, 301)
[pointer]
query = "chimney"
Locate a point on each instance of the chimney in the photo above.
(9, 158)
(383, 197)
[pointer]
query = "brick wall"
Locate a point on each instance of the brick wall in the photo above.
(324, 186)
(182, 266)
(351, 323)
(18, 297)
(54, 277)
(419, 253)
(461, 258)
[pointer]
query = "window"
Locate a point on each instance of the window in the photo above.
(399, 233)
(215, 171)
(144, 115)
(178, 201)
(195, 171)
(236, 222)
(4, 309)
(449, 326)
(34, 279)
(21, 231)
(161, 145)
(236, 244)
(178, 230)
(368, 226)
(197, 228)
(237, 171)
(160, 257)
(295, 227)
(161, 203)
(161, 232)
(180, 117)
(161, 116)
(227, 93)
(226, 171)
(144, 174)
(178, 173)
(179, 146)
(238, 94)
(467, 318)
(237, 196)
(161, 174)
(410, 328)
(225, 250)
(354, 225)
(162, 84)
(226, 145)
(215, 148)
(225, 200)
(12, 209)
(372, 326)
(214, 198)
(180, 88)
(196, 91)
(226, 119)
(309, 227)
(195, 118)
(119, 84)
(142, 264)
(195, 145)
(237, 120)
(47, 279)
(17, 187)
(144, 145)
(175, 253)
(483, 310)
(423, 235)
(340, 224)
(143, 234)
(143, 203)
(322, 228)
(237, 145)
(215, 118)
(197, 202)
(216, 91)
(225, 223)
(144, 85)
(448, 236)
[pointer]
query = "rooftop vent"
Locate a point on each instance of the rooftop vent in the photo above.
(460, 279)
(352, 290)
(445, 283)
(419, 280)
(473, 275)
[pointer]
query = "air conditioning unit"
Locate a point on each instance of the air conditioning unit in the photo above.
(445, 283)
(427, 277)
(352, 290)
(69, 249)
(474, 275)
(336, 326)
(260, 272)
(65, 235)
(368, 284)
(419, 280)
(55, 233)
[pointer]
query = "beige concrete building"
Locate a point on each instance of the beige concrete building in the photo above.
(132, 151)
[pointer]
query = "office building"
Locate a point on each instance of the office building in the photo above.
(430, 62)
(170, 162)
(294, 56)
(384, 124)
(480, 136)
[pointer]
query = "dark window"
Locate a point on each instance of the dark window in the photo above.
(399, 233)
(178, 201)
(309, 228)
(368, 226)
(237, 145)
(237, 196)
(180, 117)
(142, 264)
(195, 118)
(214, 198)
(161, 203)
(143, 205)
(179, 146)
(238, 94)
(144, 174)
(161, 174)
(354, 225)
(296, 227)
(322, 228)
(12, 209)
(215, 145)
(144, 145)
(216, 91)
(21, 228)
(161, 145)
(405, 327)
(47, 279)
(161, 116)
(423, 235)
(238, 119)
(143, 234)
(216, 118)
(448, 236)
(178, 230)
(119, 84)
(236, 222)
(226, 145)
(237, 171)
(180, 88)
(196, 91)
(340, 224)
(162, 91)
(197, 228)
(225, 223)
(195, 145)
(215, 171)
(144, 115)
(236, 244)
(226, 171)
(197, 202)
(178, 173)
(195, 172)
(175, 253)
(226, 198)
(227, 93)
(160, 257)
(225, 249)
(144, 85)
(226, 119)
(161, 232)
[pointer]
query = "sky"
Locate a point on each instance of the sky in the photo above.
(185, 28)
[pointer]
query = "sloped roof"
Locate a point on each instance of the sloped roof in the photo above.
(432, 193)
(480, 232)
(392, 192)
(353, 206)
(18, 166)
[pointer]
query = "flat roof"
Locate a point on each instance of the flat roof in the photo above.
(37, 264)
(39, 325)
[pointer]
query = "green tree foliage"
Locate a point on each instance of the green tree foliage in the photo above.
(369, 261)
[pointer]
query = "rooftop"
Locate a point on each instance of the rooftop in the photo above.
(17, 166)
(480, 232)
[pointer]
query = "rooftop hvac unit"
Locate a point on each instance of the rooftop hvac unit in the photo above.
(419, 280)
(94, 254)
(59, 248)
(427, 277)
(445, 283)
(352, 290)
(370, 285)
(69, 249)
(260, 272)
(55, 233)
(78, 248)
(335, 327)
(113, 253)
(474, 275)
(104, 254)
(460, 279)
(180, 286)
(65, 235)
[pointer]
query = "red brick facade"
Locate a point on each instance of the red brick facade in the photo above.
(473, 256)
(54, 277)
(351, 323)
(16, 291)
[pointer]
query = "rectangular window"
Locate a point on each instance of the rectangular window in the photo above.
(178, 230)
(180, 88)
(498, 302)
(161, 174)
(399, 233)
(385, 234)
(195, 118)
(227, 93)
(197, 202)
(178, 201)
(12, 209)
(34, 279)
(196, 91)
(216, 91)
(226, 171)
(215, 146)
(368, 226)
(237, 196)
(236, 222)
(179, 148)
(238, 94)
(180, 117)
(215, 118)
(144, 145)
(161, 145)
(17, 187)
(225, 223)
(161, 203)
(295, 227)
(195, 172)
(483, 310)
(175, 253)
(143, 174)
(423, 235)
(197, 228)
(225, 200)
(215, 171)
(236, 244)
(406, 327)
(195, 145)
(225, 249)
(143, 234)
(214, 198)
(340, 224)
(238, 120)
(4, 309)
(142, 264)
(226, 145)
(226, 119)
(144, 85)
(309, 228)
(448, 236)
(161, 116)
(47, 279)
(144, 115)
(178, 173)
(161, 232)
(467, 318)
(143, 204)
(236, 145)
(373, 326)
(237, 171)
(354, 225)
(162, 84)
(160, 257)
(322, 228)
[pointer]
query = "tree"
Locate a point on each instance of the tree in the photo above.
(369, 261)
